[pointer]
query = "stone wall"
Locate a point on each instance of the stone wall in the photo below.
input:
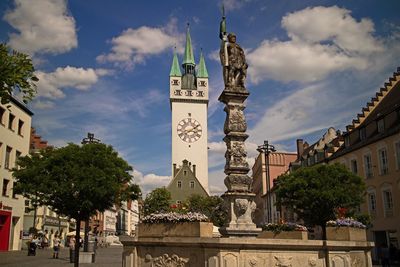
(244, 252)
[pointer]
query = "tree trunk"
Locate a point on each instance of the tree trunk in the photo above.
(77, 243)
(86, 242)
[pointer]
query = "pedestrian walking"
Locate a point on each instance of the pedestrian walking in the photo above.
(56, 246)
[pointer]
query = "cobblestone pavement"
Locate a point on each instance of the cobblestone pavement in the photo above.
(105, 257)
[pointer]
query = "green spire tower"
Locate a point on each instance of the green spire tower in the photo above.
(202, 71)
(175, 69)
(188, 79)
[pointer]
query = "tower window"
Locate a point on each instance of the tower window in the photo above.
(179, 184)
(200, 93)
(175, 82)
(189, 114)
(202, 83)
(189, 93)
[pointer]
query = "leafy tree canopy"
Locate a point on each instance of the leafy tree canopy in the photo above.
(16, 73)
(74, 180)
(157, 200)
(212, 207)
(315, 193)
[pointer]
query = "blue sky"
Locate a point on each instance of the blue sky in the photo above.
(104, 66)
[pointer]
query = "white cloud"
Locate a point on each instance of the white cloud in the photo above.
(43, 104)
(134, 45)
(44, 27)
(293, 116)
(323, 40)
(317, 24)
(234, 4)
(151, 181)
(50, 84)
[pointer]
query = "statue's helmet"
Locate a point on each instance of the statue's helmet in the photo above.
(232, 34)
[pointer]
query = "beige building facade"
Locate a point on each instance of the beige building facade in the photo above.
(371, 149)
(15, 125)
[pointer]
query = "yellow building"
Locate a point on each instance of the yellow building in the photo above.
(15, 126)
(371, 149)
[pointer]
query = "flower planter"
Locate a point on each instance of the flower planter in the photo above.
(346, 234)
(302, 235)
(181, 229)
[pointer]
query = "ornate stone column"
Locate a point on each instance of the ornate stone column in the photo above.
(239, 197)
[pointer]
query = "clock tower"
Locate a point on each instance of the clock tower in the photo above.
(189, 101)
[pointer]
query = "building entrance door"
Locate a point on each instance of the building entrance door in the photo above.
(5, 222)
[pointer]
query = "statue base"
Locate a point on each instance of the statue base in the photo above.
(241, 205)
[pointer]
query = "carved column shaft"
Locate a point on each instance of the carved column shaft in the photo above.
(239, 198)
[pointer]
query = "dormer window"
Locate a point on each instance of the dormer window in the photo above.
(363, 133)
(347, 141)
(380, 125)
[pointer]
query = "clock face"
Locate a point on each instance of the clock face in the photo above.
(189, 130)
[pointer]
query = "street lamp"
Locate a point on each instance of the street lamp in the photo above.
(267, 149)
(88, 140)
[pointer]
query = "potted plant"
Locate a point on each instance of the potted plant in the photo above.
(174, 224)
(285, 230)
(345, 229)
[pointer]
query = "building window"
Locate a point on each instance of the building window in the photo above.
(14, 195)
(383, 161)
(179, 184)
(388, 202)
(380, 125)
(17, 156)
(353, 166)
(191, 184)
(363, 133)
(11, 119)
(397, 151)
(184, 173)
(2, 111)
(8, 157)
(368, 166)
(1, 153)
(178, 202)
(5, 189)
(20, 127)
(175, 82)
(371, 202)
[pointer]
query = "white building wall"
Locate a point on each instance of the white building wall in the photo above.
(195, 152)
(17, 141)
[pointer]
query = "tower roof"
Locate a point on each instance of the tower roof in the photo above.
(202, 71)
(175, 69)
(188, 57)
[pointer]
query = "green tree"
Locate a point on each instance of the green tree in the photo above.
(157, 200)
(315, 193)
(16, 73)
(212, 206)
(76, 181)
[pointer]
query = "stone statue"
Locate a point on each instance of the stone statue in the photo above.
(232, 57)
